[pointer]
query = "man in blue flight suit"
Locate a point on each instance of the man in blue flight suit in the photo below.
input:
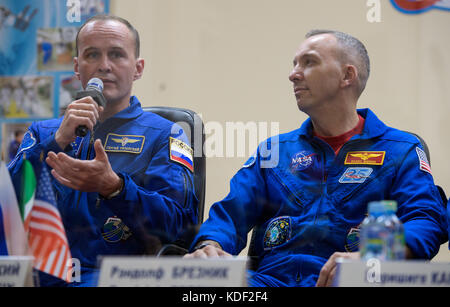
(128, 182)
(307, 191)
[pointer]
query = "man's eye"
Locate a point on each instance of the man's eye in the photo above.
(116, 54)
(92, 55)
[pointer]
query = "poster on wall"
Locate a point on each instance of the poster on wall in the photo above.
(417, 7)
(37, 46)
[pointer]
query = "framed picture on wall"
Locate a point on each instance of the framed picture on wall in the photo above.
(26, 97)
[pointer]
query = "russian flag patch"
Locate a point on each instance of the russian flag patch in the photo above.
(180, 152)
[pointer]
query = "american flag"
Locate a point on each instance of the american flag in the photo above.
(47, 237)
(424, 165)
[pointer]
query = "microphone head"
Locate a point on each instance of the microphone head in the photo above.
(95, 84)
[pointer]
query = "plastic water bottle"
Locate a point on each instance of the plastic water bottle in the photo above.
(382, 233)
(374, 233)
(396, 238)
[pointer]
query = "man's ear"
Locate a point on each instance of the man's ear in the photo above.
(350, 75)
(75, 68)
(140, 63)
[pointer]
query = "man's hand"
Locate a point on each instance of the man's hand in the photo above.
(209, 251)
(328, 270)
(85, 175)
(82, 112)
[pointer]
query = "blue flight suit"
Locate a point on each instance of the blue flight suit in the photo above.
(157, 201)
(308, 203)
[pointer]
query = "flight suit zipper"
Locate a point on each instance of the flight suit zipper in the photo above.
(324, 185)
(185, 190)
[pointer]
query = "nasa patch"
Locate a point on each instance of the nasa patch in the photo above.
(301, 161)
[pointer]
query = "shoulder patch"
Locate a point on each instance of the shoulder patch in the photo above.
(423, 161)
(28, 141)
(181, 153)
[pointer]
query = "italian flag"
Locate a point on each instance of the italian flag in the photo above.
(28, 189)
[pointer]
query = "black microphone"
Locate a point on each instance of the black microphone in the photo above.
(94, 89)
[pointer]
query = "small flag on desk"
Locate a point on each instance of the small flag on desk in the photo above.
(47, 237)
(27, 192)
(13, 239)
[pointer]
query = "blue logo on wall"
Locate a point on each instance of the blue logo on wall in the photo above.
(417, 7)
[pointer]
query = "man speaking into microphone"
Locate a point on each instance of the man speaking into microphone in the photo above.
(117, 187)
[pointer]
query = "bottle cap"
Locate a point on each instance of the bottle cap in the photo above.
(376, 207)
(390, 205)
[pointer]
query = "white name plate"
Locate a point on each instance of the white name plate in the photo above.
(375, 273)
(16, 271)
(172, 272)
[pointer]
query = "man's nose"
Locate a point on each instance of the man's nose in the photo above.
(104, 65)
(296, 75)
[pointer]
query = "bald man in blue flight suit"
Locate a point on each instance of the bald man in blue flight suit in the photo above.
(128, 184)
(307, 191)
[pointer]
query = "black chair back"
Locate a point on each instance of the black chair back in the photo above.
(192, 125)
(424, 145)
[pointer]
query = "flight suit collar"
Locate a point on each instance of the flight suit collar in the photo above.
(133, 111)
(373, 127)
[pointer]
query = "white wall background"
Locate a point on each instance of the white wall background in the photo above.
(229, 60)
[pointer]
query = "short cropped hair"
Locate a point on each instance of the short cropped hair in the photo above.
(106, 17)
(355, 53)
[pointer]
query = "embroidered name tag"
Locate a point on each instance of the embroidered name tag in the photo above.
(365, 157)
(124, 143)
